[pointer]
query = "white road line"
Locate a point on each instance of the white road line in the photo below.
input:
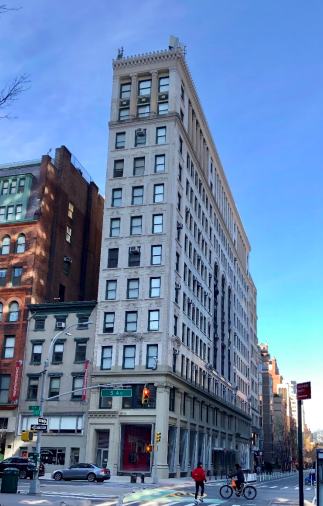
(275, 486)
(309, 488)
(296, 488)
(284, 487)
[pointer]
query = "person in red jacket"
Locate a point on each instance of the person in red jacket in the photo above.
(198, 475)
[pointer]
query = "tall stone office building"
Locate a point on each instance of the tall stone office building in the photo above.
(173, 304)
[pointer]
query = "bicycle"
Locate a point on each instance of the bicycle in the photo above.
(247, 491)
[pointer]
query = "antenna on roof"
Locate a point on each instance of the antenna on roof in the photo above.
(120, 53)
(174, 43)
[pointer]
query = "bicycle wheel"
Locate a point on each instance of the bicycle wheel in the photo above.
(249, 492)
(226, 491)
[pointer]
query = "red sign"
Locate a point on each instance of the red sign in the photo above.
(15, 383)
(86, 375)
(303, 390)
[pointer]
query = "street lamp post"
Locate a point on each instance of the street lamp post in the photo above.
(34, 483)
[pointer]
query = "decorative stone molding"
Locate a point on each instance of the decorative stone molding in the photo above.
(129, 337)
(177, 343)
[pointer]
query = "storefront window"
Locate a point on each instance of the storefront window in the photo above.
(53, 456)
(134, 440)
(135, 402)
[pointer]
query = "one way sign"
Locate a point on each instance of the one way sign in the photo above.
(42, 421)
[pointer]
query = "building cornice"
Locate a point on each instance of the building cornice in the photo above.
(62, 307)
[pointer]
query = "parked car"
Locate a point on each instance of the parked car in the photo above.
(88, 472)
(26, 466)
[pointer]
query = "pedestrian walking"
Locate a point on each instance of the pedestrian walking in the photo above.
(198, 475)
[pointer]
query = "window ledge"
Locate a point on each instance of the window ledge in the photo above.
(79, 361)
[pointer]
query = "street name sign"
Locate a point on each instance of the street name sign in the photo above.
(33, 408)
(121, 392)
(36, 412)
(303, 391)
(42, 421)
(38, 427)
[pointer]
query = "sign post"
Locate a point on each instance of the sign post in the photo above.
(303, 392)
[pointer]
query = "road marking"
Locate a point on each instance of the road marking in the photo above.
(284, 487)
(275, 486)
(296, 488)
(308, 488)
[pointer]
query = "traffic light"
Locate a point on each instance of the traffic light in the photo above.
(158, 436)
(150, 448)
(145, 396)
(27, 435)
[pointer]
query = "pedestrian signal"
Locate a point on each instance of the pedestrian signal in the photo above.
(27, 435)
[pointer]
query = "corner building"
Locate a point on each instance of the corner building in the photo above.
(173, 310)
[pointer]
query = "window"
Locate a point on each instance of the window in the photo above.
(163, 84)
(70, 212)
(139, 166)
(21, 244)
(143, 110)
(125, 90)
(157, 224)
(180, 170)
(68, 234)
(113, 255)
(140, 136)
(118, 168)
(3, 276)
(2, 214)
(162, 108)
(159, 164)
(78, 382)
(144, 87)
(137, 195)
(54, 387)
(9, 347)
(131, 321)
(153, 320)
(160, 135)
(21, 187)
(5, 187)
(135, 401)
(158, 193)
(58, 353)
(124, 113)
(82, 320)
(13, 312)
(4, 388)
(114, 227)
(134, 256)
(108, 325)
(111, 290)
(80, 352)
(16, 276)
(36, 353)
(181, 114)
(13, 187)
(106, 357)
(9, 213)
(39, 324)
(175, 325)
(182, 93)
(116, 198)
(120, 140)
(136, 225)
(172, 398)
(179, 200)
(177, 261)
(129, 353)
(18, 212)
(133, 289)
(156, 255)
(181, 145)
(32, 389)
(152, 353)
(154, 289)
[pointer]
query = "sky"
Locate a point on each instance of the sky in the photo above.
(258, 69)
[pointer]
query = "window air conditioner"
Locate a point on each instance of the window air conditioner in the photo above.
(179, 225)
(204, 373)
(68, 259)
(135, 250)
(187, 209)
(175, 352)
(60, 325)
(177, 286)
(199, 257)
(196, 367)
(140, 132)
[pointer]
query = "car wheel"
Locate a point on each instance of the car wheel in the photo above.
(91, 477)
(58, 476)
(23, 474)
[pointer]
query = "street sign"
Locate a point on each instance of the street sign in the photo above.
(42, 421)
(303, 391)
(36, 412)
(39, 427)
(121, 392)
(33, 408)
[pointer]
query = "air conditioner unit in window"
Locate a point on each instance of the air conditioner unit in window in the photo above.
(189, 301)
(68, 259)
(196, 367)
(60, 325)
(177, 286)
(199, 257)
(140, 132)
(179, 225)
(209, 366)
(135, 250)
(175, 352)
(204, 373)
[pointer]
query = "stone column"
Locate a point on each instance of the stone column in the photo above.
(190, 121)
(133, 95)
(162, 416)
(201, 150)
(198, 141)
(115, 99)
(173, 88)
(194, 132)
(154, 91)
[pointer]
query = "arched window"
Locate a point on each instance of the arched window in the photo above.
(1, 311)
(13, 311)
(5, 245)
(21, 244)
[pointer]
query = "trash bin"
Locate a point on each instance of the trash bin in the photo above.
(133, 478)
(9, 483)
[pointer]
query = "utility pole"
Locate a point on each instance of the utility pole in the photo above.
(34, 483)
(300, 453)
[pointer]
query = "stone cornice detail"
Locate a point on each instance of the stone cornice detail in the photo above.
(146, 59)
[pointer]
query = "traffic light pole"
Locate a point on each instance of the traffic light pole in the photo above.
(155, 477)
(300, 453)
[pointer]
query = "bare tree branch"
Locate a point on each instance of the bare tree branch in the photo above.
(11, 92)
(4, 8)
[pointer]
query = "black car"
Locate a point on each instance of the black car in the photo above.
(26, 466)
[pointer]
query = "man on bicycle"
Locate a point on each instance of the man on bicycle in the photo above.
(240, 477)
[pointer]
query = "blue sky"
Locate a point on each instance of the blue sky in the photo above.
(258, 69)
